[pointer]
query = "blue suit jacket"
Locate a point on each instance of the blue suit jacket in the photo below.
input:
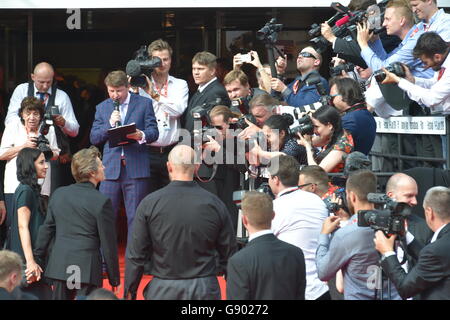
(140, 111)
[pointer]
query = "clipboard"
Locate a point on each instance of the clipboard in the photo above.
(118, 136)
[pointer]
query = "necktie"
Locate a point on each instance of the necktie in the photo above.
(441, 72)
(41, 95)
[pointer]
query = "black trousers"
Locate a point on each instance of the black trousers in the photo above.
(62, 292)
(159, 177)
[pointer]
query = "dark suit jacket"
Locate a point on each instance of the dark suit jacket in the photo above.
(267, 269)
(213, 91)
(140, 111)
(430, 277)
(81, 221)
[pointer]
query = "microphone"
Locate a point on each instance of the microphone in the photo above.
(116, 108)
(133, 68)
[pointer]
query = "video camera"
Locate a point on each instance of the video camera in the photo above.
(389, 215)
(394, 67)
(141, 65)
(269, 32)
(344, 22)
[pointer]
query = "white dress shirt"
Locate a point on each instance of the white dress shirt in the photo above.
(436, 234)
(259, 234)
(168, 111)
(298, 221)
(61, 100)
(203, 86)
(15, 135)
(431, 93)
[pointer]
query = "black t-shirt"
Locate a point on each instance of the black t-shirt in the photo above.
(25, 196)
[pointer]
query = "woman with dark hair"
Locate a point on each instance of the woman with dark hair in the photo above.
(279, 141)
(28, 216)
(334, 142)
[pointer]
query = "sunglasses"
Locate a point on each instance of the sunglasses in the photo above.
(306, 55)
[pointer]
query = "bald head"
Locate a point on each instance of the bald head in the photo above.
(42, 76)
(402, 188)
(181, 159)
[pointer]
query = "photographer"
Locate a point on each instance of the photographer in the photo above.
(347, 47)
(348, 99)
(224, 143)
(351, 247)
(433, 93)
(430, 278)
(298, 93)
(329, 135)
(279, 140)
(22, 133)
(169, 98)
(261, 73)
(239, 91)
(399, 21)
(262, 107)
(298, 216)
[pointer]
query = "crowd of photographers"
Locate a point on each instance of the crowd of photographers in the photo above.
(282, 138)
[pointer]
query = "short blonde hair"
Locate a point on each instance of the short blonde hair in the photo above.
(116, 79)
(258, 208)
(403, 9)
(9, 262)
(84, 162)
(159, 45)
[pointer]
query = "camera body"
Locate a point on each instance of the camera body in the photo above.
(394, 67)
(389, 215)
(41, 141)
(305, 126)
(337, 70)
(241, 124)
(240, 105)
(201, 113)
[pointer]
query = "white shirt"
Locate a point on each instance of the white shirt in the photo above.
(259, 234)
(298, 221)
(431, 93)
(435, 235)
(61, 100)
(203, 86)
(168, 111)
(15, 135)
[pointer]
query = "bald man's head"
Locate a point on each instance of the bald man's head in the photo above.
(402, 188)
(181, 159)
(42, 76)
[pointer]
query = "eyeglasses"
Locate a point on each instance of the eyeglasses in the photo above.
(335, 95)
(218, 127)
(305, 185)
(306, 55)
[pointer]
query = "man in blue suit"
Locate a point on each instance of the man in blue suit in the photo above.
(127, 167)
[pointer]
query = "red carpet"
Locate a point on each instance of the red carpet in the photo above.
(145, 279)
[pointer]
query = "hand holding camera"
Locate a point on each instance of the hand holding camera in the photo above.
(393, 73)
(364, 34)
